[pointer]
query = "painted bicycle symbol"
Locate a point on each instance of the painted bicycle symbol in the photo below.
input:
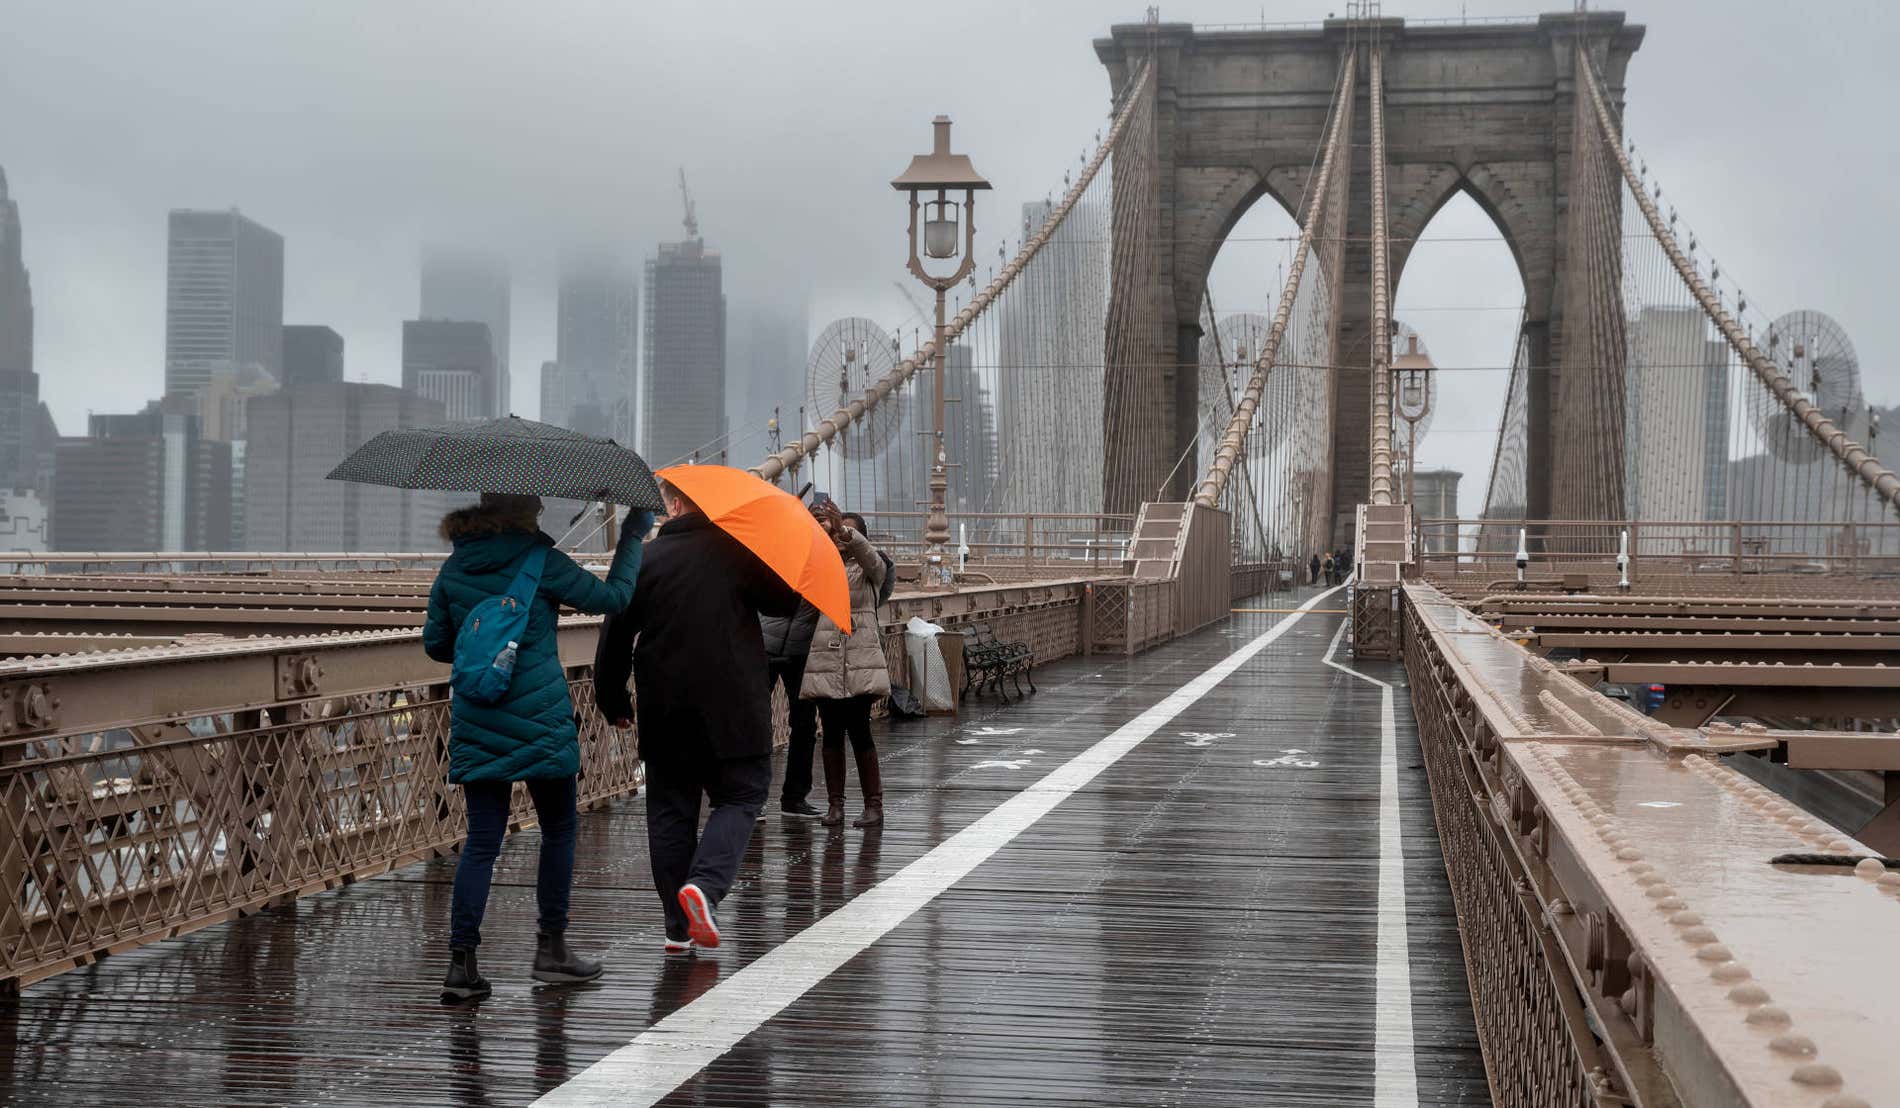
(1205, 738)
(1288, 758)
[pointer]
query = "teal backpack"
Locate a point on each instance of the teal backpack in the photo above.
(485, 647)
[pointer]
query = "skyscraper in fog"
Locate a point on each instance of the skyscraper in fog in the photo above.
(765, 368)
(224, 298)
(16, 291)
(313, 354)
(144, 480)
(26, 427)
(462, 284)
(453, 363)
(683, 356)
(298, 435)
(1676, 417)
(595, 347)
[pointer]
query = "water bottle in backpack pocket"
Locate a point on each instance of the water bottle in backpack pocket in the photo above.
(486, 645)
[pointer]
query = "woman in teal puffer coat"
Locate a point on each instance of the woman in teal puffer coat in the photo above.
(529, 735)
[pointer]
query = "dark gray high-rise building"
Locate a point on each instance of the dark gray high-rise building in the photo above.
(26, 427)
(595, 347)
(16, 290)
(453, 363)
(683, 356)
(765, 369)
(143, 481)
(313, 354)
(224, 298)
(462, 284)
(297, 437)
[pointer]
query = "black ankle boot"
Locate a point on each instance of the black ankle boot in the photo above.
(465, 981)
(554, 962)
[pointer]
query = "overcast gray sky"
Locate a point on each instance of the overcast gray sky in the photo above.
(358, 130)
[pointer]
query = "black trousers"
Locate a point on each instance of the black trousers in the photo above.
(804, 715)
(680, 851)
(848, 718)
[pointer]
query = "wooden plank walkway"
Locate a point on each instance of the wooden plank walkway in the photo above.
(1198, 924)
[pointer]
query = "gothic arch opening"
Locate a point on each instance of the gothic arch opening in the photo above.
(1462, 291)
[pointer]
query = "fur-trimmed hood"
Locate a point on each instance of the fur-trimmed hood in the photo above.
(478, 521)
(485, 538)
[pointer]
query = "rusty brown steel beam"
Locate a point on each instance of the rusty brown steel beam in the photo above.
(16, 644)
(346, 584)
(1792, 624)
(1748, 674)
(1717, 641)
(1687, 605)
(208, 597)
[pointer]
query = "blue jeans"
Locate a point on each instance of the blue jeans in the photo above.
(554, 799)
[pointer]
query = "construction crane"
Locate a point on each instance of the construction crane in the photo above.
(692, 220)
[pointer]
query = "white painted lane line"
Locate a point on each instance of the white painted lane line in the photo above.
(679, 1046)
(1395, 1070)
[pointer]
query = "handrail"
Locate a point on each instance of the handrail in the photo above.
(828, 428)
(1858, 460)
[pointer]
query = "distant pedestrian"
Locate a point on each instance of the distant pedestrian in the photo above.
(847, 674)
(691, 639)
(1345, 564)
(527, 734)
(1330, 568)
(1312, 574)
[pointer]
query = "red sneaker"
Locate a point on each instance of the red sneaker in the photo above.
(701, 924)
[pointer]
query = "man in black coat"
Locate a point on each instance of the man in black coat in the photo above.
(787, 646)
(705, 708)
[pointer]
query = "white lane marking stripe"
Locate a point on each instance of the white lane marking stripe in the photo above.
(1395, 1071)
(670, 1052)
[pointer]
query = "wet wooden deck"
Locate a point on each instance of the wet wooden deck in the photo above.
(1198, 924)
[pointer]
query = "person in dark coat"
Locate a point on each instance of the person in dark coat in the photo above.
(787, 645)
(691, 638)
(1313, 570)
(1331, 569)
(529, 735)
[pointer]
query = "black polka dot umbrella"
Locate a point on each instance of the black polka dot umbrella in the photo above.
(504, 455)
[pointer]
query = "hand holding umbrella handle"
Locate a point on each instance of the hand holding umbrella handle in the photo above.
(639, 522)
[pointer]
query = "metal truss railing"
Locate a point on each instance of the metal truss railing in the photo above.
(151, 791)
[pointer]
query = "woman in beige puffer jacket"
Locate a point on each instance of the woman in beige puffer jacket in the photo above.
(846, 674)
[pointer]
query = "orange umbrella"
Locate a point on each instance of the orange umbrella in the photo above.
(776, 526)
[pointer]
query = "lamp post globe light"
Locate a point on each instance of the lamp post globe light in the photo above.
(1413, 369)
(942, 188)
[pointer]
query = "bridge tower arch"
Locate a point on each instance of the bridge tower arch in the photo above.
(1485, 108)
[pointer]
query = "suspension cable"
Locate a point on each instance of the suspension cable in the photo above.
(1857, 459)
(1381, 461)
(829, 427)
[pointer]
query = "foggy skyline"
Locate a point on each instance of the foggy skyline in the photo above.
(530, 130)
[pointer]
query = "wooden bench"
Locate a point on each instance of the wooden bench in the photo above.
(988, 660)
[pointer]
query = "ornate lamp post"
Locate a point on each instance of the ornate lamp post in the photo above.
(932, 180)
(1415, 402)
